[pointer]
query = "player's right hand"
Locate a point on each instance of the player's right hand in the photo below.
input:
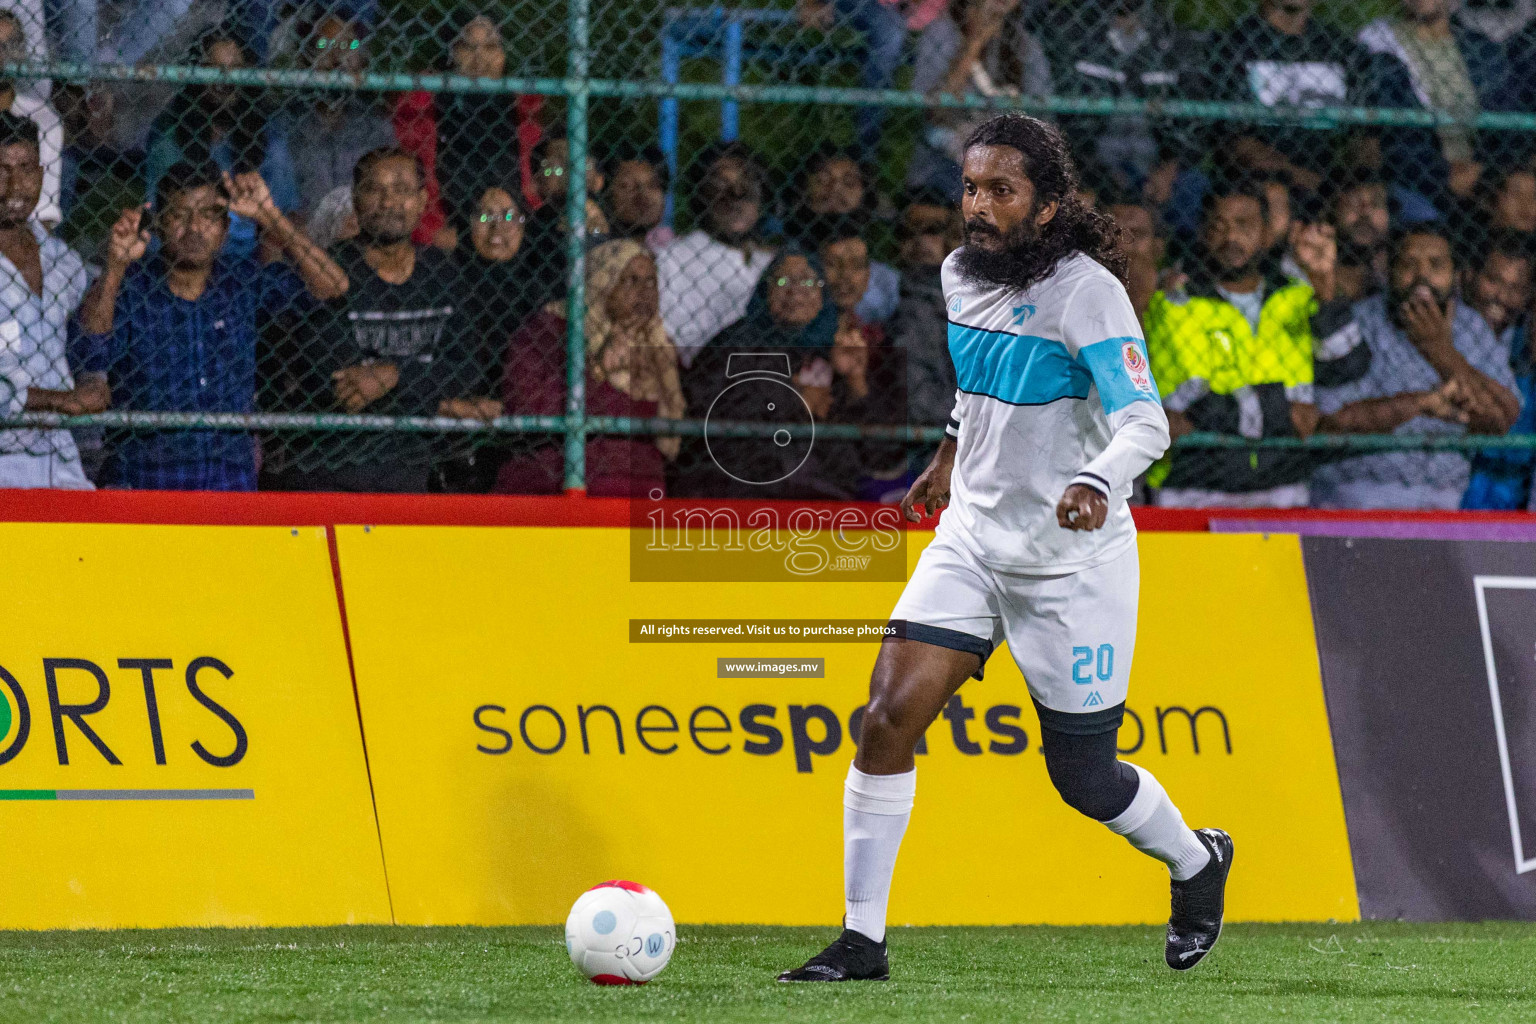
(931, 489)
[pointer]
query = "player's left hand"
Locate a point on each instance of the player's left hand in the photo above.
(1082, 508)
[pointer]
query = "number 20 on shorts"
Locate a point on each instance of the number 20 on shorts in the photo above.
(1089, 662)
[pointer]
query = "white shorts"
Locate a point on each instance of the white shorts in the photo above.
(1073, 636)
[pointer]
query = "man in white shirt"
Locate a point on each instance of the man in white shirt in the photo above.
(1056, 413)
(34, 106)
(708, 275)
(42, 283)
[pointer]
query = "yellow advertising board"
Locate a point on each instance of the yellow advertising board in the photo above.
(179, 743)
(527, 739)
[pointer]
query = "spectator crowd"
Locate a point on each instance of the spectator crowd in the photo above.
(341, 251)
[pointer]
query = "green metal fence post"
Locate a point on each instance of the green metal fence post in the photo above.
(577, 72)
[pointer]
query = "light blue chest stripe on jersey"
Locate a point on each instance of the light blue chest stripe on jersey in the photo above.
(1106, 361)
(1025, 369)
(1020, 369)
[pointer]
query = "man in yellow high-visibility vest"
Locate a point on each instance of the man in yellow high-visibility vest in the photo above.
(1233, 352)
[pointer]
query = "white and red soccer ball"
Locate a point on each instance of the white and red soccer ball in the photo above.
(620, 933)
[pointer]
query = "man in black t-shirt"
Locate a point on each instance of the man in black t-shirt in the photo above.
(1282, 57)
(396, 345)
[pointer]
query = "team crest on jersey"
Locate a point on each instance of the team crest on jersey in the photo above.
(1022, 313)
(1136, 366)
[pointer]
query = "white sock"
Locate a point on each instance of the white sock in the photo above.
(1155, 827)
(876, 809)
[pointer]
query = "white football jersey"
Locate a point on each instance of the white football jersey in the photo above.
(1053, 389)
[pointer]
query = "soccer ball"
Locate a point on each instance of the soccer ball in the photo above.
(620, 933)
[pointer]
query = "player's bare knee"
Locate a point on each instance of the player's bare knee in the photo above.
(882, 712)
(881, 729)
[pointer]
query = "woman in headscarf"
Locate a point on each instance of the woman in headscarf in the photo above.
(631, 371)
(496, 297)
(482, 138)
(783, 362)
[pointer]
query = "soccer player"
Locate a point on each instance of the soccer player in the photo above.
(1055, 415)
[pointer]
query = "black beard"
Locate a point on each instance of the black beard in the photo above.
(1014, 264)
(1220, 272)
(184, 263)
(377, 239)
(1356, 254)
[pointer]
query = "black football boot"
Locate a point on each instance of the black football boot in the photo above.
(851, 957)
(1198, 904)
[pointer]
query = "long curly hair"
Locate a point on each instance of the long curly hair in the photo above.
(1076, 227)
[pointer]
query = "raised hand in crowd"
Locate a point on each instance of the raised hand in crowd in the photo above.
(127, 243)
(1259, 156)
(983, 21)
(1316, 250)
(1172, 279)
(129, 239)
(249, 197)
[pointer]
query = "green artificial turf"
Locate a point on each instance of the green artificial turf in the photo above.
(1322, 972)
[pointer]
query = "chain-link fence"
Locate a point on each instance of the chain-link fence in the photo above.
(354, 245)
